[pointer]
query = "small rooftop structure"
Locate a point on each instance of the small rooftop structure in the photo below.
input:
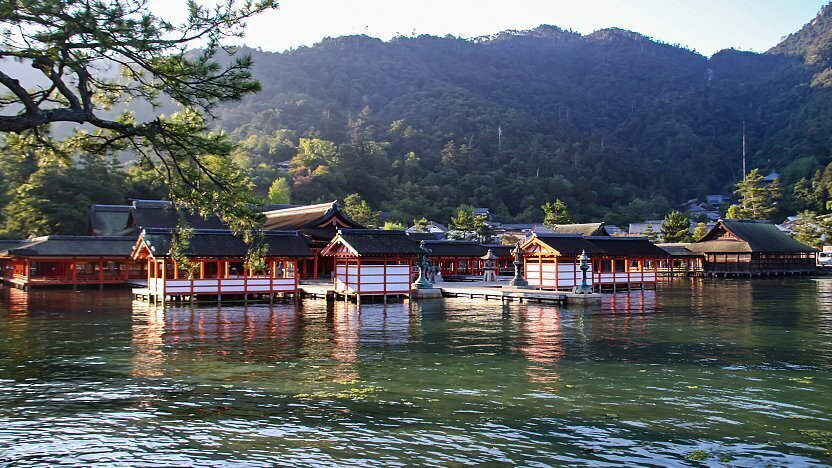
(109, 220)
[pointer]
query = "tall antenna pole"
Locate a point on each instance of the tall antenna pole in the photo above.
(743, 150)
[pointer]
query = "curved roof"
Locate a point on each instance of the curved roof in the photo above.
(311, 216)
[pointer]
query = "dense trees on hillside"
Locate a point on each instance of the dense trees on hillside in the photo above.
(617, 126)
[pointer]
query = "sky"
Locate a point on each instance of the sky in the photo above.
(706, 26)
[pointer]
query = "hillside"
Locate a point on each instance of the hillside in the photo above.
(618, 125)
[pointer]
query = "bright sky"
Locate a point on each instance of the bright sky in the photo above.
(704, 25)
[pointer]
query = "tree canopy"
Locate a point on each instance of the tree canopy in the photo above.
(93, 58)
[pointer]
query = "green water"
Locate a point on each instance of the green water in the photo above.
(734, 372)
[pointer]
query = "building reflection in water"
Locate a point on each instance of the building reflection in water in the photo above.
(329, 336)
(344, 323)
(148, 331)
(542, 343)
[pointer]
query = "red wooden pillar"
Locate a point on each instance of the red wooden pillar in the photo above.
(359, 276)
(315, 265)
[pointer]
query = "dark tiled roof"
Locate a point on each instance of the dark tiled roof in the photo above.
(678, 250)
(465, 249)
(569, 244)
(311, 216)
(74, 246)
(9, 244)
(221, 243)
(755, 236)
(627, 246)
(377, 242)
(585, 229)
(426, 236)
(161, 214)
(109, 220)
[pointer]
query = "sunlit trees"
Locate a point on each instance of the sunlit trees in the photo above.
(555, 213)
(757, 199)
(359, 210)
(280, 191)
(675, 227)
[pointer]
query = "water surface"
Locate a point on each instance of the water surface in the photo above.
(700, 371)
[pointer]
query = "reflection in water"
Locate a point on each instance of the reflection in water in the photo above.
(735, 369)
(148, 343)
(542, 343)
(345, 325)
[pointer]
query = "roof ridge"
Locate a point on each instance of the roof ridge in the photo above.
(301, 208)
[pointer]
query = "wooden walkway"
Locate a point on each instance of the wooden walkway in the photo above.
(488, 291)
(473, 290)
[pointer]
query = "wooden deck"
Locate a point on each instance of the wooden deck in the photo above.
(501, 292)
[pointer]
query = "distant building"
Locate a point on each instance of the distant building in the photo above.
(483, 213)
(771, 177)
(432, 227)
(584, 229)
(637, 229)
(748, 247)
(717, 200)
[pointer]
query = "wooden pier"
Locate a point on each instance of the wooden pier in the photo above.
(503, 294)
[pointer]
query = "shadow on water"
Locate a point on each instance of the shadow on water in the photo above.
(735, 369)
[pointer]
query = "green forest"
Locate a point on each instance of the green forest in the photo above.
(618, 126)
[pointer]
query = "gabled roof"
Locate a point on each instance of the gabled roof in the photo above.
(565, 244)
(465, 249)
(161, 214)
(73, 246)
(584, 229)
(311, 216)
(627, 246)
(374, 242)
(751, 236)
(109, 220)
(222, 243)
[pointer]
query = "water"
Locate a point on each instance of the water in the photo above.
(727, 371)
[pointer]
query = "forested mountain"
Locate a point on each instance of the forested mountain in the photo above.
(618, 125)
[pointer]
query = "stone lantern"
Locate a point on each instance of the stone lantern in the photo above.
(518, 280)
(490, 268)
(583, 288)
